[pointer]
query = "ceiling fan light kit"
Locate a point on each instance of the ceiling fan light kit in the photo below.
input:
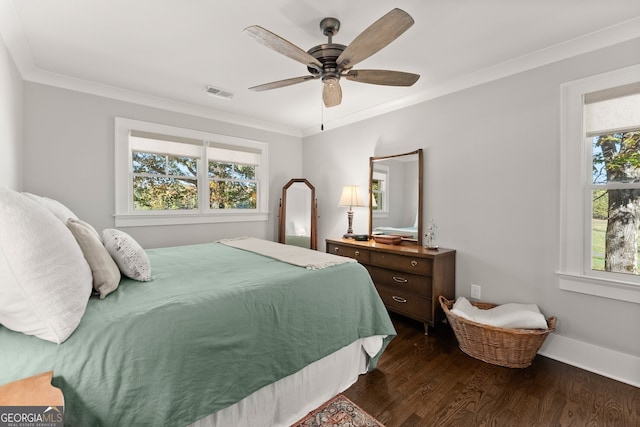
(330, 61)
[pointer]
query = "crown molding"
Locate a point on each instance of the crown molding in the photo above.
(106, 91)
(16, 43)
(599, 39)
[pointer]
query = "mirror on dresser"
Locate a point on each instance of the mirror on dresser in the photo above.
(298, 214)
(395, 194)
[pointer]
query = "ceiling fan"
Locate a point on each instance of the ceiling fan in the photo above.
(329, 62)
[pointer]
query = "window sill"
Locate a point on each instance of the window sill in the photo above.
(613, 289)
(163, 218)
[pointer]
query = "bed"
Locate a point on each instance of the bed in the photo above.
(221, 335)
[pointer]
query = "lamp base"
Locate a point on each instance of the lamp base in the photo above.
(349, 233)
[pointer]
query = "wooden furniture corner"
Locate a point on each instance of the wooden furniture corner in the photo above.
(33, 391)
(409, 278)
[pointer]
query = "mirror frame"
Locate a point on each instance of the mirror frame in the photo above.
(282, 221)
(420, 188)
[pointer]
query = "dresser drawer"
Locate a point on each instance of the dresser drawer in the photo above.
(407, 303)
(403, 282)
(405, 263)
(360, 254)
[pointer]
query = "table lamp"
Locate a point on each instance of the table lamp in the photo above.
(350, 197)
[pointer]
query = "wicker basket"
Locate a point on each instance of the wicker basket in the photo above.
(513, 348)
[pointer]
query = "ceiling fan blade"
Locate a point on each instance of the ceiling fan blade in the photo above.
(282, 46)
(375, 37)
(282, 83)
(382, 77)
(331, 93)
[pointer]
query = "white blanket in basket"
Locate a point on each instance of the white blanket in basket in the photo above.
(510, 315)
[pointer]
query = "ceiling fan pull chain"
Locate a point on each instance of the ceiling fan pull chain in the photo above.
(321, 115)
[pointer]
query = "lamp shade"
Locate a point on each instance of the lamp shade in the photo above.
(351, 196)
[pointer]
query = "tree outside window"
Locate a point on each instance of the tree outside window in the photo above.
(232, 186)
(164, 182)
(616, 202)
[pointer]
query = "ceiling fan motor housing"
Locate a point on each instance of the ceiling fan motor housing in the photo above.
(327, 54)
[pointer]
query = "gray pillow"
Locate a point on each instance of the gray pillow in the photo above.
(106, 275)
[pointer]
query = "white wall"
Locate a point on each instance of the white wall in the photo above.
(492, 179)
(10, 122)
(69, 156)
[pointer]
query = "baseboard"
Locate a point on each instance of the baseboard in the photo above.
(609, 363)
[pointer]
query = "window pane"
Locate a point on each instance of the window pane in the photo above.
(220, 170)
(245, 172)
(182, 166)
(233, 186)
(148, 163)
(162, 193)
(615, 230)
(232, 195)
(378, 187)
(598, 229)
(232, 171)
(616, 158)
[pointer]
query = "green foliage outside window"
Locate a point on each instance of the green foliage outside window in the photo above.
(232, 186)
(376, 190)
(162, 182)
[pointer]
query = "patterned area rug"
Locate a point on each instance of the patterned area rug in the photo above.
(338, 412)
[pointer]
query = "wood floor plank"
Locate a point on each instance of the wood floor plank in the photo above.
(427, 381)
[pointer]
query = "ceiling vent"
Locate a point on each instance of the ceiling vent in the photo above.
(218, 93)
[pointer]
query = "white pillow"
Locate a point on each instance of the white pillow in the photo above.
(61, 212)
(45, 282)
(106, 275)
(128, 254)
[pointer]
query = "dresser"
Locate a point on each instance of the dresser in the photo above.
(409, 278)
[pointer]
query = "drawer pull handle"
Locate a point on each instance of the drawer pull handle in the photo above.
(357, 253)
(336, 249)
(414, 263)
(398, 299)
(399, 279)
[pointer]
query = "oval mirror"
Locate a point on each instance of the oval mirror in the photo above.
(395, 194)
(298, 214)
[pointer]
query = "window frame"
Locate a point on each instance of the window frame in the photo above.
(575, 272)
(126, 216)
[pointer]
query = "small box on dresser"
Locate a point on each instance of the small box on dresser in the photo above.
(409, 278)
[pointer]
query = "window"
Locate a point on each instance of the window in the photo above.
(380, 191)
(168, 175)
(600, 190)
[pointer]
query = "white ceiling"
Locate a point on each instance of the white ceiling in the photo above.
(165, 52)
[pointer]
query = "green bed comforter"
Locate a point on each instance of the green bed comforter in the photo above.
(215, 324)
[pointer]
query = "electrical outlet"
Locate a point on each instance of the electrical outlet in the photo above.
(476, 291)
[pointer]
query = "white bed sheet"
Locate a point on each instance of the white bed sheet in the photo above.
(290, 399)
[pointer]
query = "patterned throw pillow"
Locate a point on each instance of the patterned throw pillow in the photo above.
(128, 254)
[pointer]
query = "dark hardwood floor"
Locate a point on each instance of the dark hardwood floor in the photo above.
(427, 381)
